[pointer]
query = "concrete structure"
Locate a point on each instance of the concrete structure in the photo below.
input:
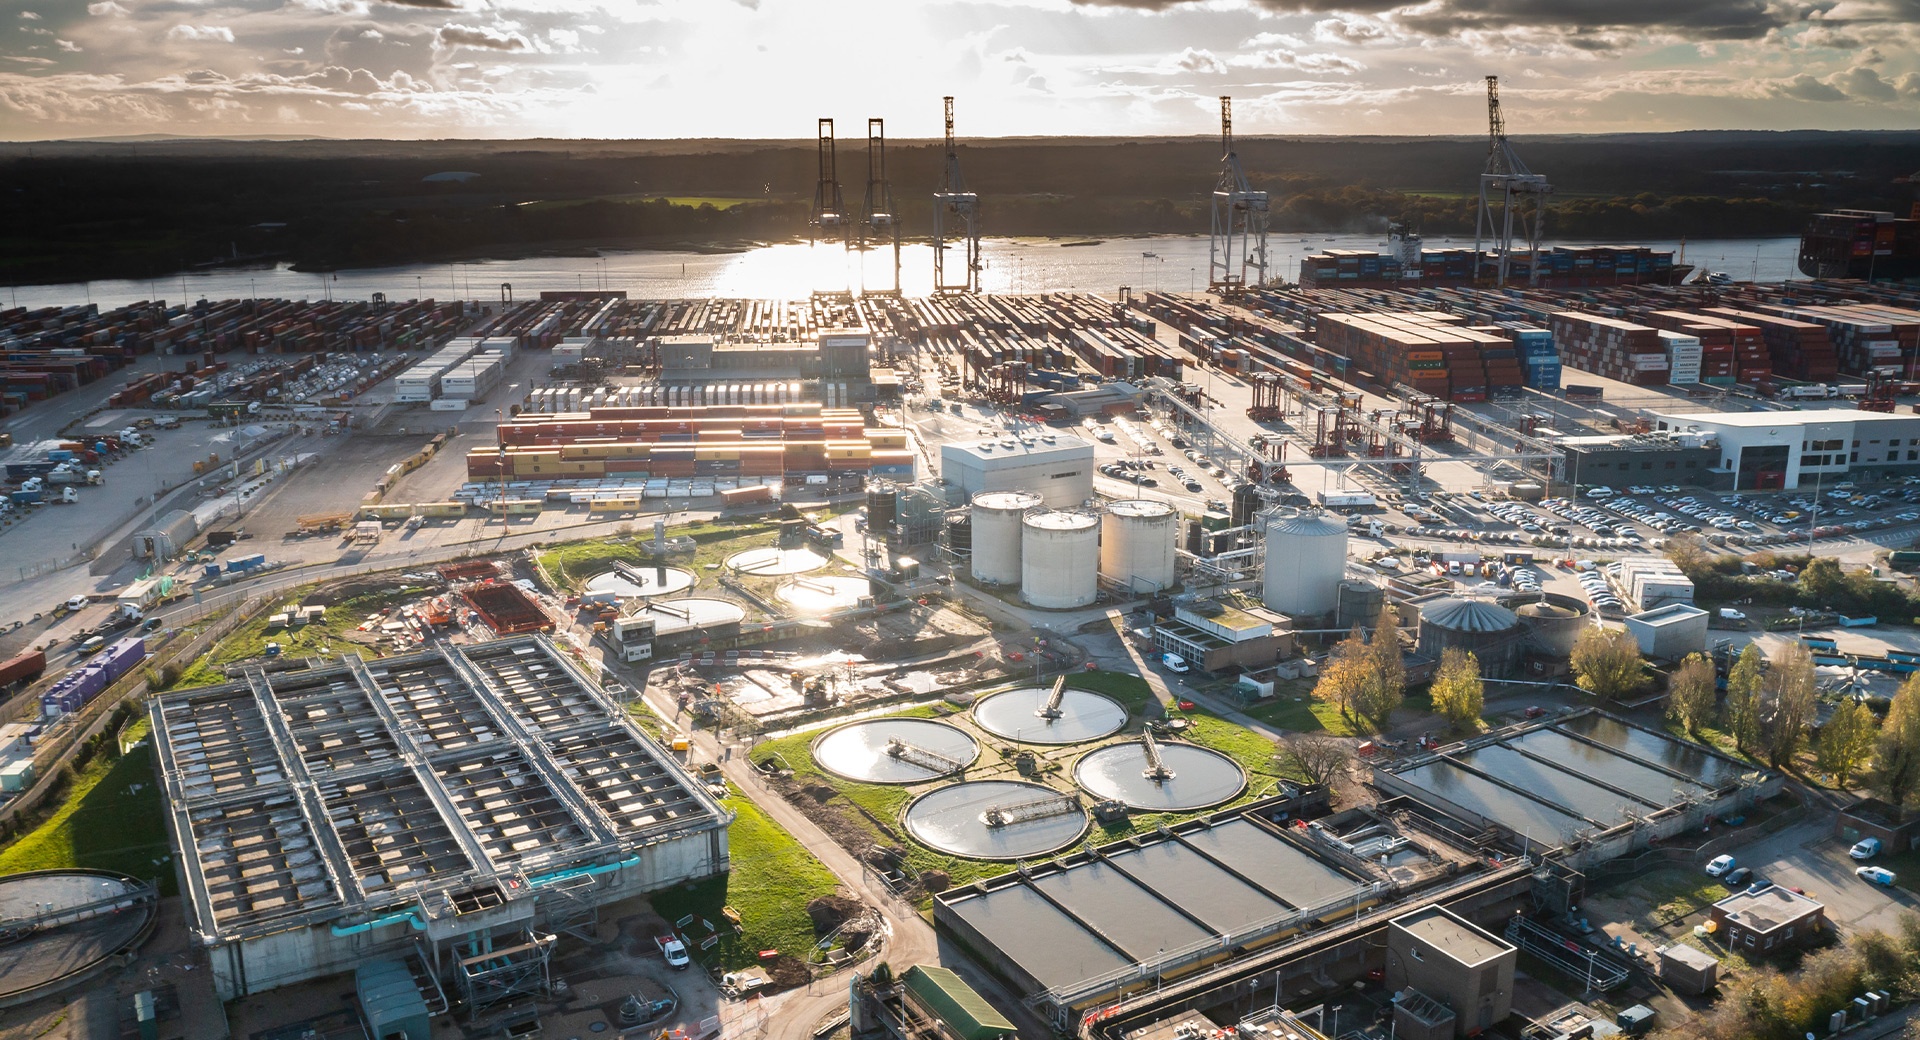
(1137, 538)
(1490, 632)
(466, 798)
(1456, 963)
(998, 517)
(1671, 632)
(1688, 970)
(1219, 633)
(1056, 467)
(1060, 559)
(1623, 460)
(168, 537)
(1306, 559)
(946, 998)
(1873, 818)
(1553, 623)
(1651, 581)
(1791, 449)
(1758, 922)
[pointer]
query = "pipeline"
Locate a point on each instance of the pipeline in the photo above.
(595, 871)
(367, 926)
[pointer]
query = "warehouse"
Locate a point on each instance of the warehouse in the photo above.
(466, 798)
(1057, 468)
(1590, 778)
(1793, 450)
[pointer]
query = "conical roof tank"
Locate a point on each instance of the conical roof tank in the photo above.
(1306, 558)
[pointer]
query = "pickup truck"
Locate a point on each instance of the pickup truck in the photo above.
(673, 950)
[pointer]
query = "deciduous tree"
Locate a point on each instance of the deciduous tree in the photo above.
(1791, 688)
(1896, 752)
(1385, 686)
(1320, 758)
(1342, 674)
(1743, 699)
(1690, 693)
(1458, 693)
(1606, 663)
(1846, 740)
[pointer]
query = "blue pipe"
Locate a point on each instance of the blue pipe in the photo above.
(562, 875)
(367, 926)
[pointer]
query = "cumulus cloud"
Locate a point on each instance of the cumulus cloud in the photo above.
(435, 5)
(30, 16)
(483, 37)
(105, 8)
(68, 45)
(1320, 62)
(1204, 62)
(1863, 84)
(1351, 30)
(201, 33)
(1806, 87)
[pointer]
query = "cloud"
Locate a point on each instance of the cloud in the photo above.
(1351, 30)
(1191, 60)
(1863, 84)
(69, 46)
(30, 16)
(1685, 19)
(1805, 87)
(433, 5)
(482, 38)
(105, 8)
(201, 33)
(1286, 59)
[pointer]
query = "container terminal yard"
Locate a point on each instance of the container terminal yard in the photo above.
(870, 665)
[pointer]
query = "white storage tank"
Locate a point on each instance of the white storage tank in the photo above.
(1306, 558)
(996, 534)
(1137, 538)
(1059, 559)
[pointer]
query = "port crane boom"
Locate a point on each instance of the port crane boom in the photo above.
(829, 217)
(955, 209)
(1239, 245)
(878, 224)
(1508, 184)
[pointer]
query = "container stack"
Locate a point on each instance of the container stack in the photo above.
(1733, 351)
(1539, 360)
(1799, 349)
(1866, 339)
(1426, 350)
(1683, 357)
(1611, 347)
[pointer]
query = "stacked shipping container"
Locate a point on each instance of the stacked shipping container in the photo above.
(1611, 347)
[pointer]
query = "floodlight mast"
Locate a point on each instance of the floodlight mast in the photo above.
(954, 204)
(829, 218)
(878, 222)
(1239, 245)
(1508, 180)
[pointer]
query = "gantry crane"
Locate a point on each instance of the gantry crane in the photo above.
(1508, 181)
(1239, 220)
(877, 222)
(954, 203)
(829, 212)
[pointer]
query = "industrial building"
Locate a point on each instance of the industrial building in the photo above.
(1057, 467)
(1306, 558)
(834, 355)
(1492, 633)
(1622, 460)
(1759, 920)
(464, 808)
(1452, 977)
(1671, 632)
(1590, 781)
(1221, 633)
(1793, 450)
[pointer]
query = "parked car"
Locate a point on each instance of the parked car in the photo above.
(1535, 712)
(1866, 848)
(1875, 875)
(1719, 866)
(1737, 877)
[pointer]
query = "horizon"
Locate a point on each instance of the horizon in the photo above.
(694, 70)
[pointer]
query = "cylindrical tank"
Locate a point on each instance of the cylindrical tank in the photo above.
(1247, 503)
(1306, 557)
(1360, 603)
(1059, 559)
(960, 533)
(1136, 544)
(880, 500)
(996, 534)
(1488, 631)
(1554, 623)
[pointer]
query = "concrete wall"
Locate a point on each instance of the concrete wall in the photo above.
(1479, 994)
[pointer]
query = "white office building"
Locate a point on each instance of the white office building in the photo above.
(1057, 467)
(1793, 450)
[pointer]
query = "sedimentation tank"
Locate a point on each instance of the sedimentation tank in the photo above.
(1306, 559)
(1059, 559)
(997, 516)
(1136, 544)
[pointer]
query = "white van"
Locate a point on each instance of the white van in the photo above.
(1175, 663)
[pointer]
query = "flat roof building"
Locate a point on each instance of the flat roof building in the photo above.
(1671, 632)
(1757, 922)
(486, 796)
(1456, 964)
(1057, 467)
(1789, 450)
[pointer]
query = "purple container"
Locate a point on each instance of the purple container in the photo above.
(119, 658)
(93, 679)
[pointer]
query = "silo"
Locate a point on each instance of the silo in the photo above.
(1306, 558)
(1136, 544)
(1554, 623)
(1059, 558)
(996, 534)
(880, 505)
(1488, 631)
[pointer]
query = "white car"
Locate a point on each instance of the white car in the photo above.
(77, 602)
(1875, 875)
(1865, 849)
(1719, 866)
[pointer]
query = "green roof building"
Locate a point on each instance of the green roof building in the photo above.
(942, 994)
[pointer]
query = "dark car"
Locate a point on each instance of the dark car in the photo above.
(1535, 712)
(1737, 877)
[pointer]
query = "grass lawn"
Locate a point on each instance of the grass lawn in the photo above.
(1672, 893)
(112, 819)
(771, 881)
(1131, 691)
(574, 562)
(1309, 715)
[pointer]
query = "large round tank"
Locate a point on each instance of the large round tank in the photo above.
(1488, 631)
(1059, 559)
(1554, 623)
(996, 534)
(1306, 557)
(1136, 544)
(880, 506)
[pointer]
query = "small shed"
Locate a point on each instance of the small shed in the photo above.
(391, 1001)
(947, 998)
(1688, 970)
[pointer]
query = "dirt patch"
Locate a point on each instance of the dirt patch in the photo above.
(830, 912)
(826, 808)
(787, 971)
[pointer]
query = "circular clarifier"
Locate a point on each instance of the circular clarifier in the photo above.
(894, 751)
(678, 615)
(770, 561)
(825, 593)
(1195, 777)
(996, 819)
(641, 581)
(1017, 715)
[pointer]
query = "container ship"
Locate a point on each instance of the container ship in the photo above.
(1560, 268)
(1862, 243)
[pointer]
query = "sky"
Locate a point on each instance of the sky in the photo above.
(769, 68)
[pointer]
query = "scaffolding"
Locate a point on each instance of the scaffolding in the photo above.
(572, 909)
(490, 974)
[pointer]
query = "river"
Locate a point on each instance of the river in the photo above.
(792, 271)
